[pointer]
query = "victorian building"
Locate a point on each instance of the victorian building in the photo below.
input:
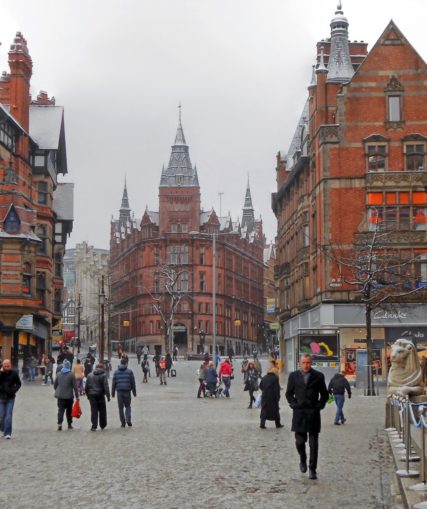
(356, 165)
(36, 211)
(184, 276)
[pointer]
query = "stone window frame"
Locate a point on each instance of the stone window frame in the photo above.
(414, 140)
(372, 144)
(394, 89)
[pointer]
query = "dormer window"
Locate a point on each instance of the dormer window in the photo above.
(12, 223)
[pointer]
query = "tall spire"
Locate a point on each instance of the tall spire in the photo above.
(340, 68)
(124, 209)
(180, 172)
(248, 217)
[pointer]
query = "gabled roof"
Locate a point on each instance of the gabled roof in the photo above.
(47, 130)
(296, 140)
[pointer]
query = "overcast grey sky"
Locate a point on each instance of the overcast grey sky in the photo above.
(240, 68)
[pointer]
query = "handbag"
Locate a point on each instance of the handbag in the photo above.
(76, 412)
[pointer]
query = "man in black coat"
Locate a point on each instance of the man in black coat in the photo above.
(10, 384)
(307, 395)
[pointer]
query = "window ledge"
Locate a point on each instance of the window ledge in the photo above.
(399, 124)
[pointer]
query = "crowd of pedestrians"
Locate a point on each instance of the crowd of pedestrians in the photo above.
(306, 391)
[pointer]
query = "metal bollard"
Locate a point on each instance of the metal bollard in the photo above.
(422, 486)
(407, 434)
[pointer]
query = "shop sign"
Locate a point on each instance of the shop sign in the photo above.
(25, 322)
(275, 326)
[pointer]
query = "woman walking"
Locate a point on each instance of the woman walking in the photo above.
(145, 366)
(79, 373)
(251, 382)
(270, 398)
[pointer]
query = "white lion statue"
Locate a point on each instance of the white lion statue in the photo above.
(405, 376)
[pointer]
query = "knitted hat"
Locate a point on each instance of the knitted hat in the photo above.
(66, 364)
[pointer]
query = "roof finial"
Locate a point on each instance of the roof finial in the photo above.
(322, 66)
(339, 6)
(179, 107)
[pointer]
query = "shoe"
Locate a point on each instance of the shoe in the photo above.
(59, 427)
(343, 421)
(336, 423)
(312, 475)
(161, 383)
(303, 467)
(279, 426)
(165, 383)
(262, 426)
(123, 425)
(250, 406)
(70, 426)
(129, 424)
(93, 429)
(7, 437)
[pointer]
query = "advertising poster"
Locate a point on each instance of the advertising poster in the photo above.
(350, 361)
(323, 348)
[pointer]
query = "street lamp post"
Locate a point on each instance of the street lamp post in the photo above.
(214, 296)
(102, 300)
(79, 310)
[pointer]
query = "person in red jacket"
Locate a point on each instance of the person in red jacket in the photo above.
(225, 374)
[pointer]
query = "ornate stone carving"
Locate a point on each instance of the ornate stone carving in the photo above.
(328, 134)
(405, 376)
(394, 85)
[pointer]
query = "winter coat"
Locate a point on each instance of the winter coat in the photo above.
(251, 379)
(339, 384)
(97, 384)
(88, 366)
(10, 383)
(202, 371)
(226, 369)
(145, 366)
(258, 366)
(270, 398)
(211, 376)
(168, 360)
(306, 400)
(123, 380)
(65, 386)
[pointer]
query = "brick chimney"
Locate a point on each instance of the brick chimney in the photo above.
(21, 69)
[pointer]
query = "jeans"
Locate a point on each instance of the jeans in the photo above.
(313, 442)
(227, 382)
(48, 375)
(339, 401)
(123, 400)
(6, 412)
(98, 407)
(31, 373)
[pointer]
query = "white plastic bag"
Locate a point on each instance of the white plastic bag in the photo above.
(258, 401)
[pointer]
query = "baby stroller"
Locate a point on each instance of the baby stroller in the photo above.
(214, 390)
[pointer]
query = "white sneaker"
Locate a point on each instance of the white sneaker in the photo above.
(7, 437)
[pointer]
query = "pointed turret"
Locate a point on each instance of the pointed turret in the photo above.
(248, 217)
(340, 68)
(125, 215)
(180, 172)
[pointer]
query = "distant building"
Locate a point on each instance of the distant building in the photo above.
(270, 298)
(84, 267)
(179, 238)
(357, 160)
(36, 211)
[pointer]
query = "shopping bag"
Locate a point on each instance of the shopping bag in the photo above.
(76, 412)
(258, 401)
(173, 372)
(331, 399)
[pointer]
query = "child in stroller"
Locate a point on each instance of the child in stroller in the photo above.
(214, 390)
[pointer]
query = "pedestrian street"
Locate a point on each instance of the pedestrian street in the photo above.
(184, 452)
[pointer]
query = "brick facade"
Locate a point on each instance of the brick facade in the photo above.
(180, 236)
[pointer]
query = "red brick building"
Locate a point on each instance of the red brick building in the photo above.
(357, 158)
(35, 210)
(179, 238)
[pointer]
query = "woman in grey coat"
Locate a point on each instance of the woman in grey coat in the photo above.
(65, 389)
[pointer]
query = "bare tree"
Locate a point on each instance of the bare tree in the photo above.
(169, 288)
(382, 271)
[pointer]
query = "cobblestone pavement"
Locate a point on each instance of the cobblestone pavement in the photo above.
(184, 452)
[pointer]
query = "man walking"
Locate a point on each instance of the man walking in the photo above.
(124, 384)
(10, 384)
(337, 386)
(96, 390)
(307, 395)
(65, 389)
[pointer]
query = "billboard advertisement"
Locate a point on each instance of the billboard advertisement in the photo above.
(323, 348)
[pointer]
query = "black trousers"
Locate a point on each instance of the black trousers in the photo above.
(313, 442)
(202, 388)
(65, 405)
(98, 408)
